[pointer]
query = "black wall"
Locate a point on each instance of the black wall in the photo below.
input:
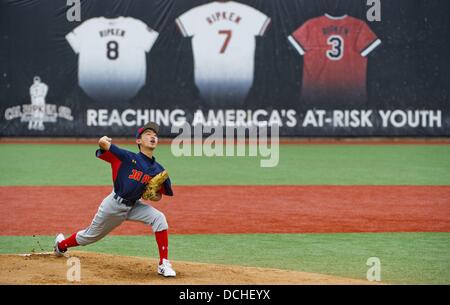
(410, 71)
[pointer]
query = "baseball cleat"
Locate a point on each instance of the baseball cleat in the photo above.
(59, 238)
(165, 269)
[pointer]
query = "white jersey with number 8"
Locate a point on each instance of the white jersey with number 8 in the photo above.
(223, 43)
(112, 60)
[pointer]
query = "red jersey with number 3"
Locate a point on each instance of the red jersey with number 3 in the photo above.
(335, 63)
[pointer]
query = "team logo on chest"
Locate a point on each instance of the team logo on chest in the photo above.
(139, 176)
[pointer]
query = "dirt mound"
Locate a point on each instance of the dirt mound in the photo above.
(45, 268)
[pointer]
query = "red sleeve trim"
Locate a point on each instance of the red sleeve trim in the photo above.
(115, 162)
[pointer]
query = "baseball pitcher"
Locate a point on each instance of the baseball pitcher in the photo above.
(135, 176)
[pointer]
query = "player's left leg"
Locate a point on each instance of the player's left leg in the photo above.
(150, 216)
(110, 215)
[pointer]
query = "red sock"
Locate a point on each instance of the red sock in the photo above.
(162, 239)
(68, 242)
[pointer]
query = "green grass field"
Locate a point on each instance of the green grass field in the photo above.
(406, 258)
(299, 165)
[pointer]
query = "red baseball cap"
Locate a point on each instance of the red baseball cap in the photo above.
(150, 125)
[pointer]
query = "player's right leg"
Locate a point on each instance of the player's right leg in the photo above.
(110, 214)
(148, 215)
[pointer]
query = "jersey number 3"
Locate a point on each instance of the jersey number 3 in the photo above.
(112, 50)
(337, 47)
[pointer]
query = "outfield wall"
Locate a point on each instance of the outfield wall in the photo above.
(316, 68)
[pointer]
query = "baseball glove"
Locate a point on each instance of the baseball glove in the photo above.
(154, 185)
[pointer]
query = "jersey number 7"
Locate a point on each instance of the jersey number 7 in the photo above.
(228, 34)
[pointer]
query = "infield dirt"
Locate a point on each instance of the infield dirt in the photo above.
(98, 268)
(238, 209)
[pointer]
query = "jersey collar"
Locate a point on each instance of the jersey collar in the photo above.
(337, 17)
(151, 160)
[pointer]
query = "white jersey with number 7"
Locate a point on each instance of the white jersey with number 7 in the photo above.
(223, 43)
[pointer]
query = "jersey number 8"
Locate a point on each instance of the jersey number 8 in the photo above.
(112, 50)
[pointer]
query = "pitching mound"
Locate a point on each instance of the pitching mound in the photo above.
(45, 268)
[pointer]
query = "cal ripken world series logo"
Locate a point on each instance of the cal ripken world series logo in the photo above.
(38, 112)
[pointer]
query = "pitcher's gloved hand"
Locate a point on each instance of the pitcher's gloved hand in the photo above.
(152, 190)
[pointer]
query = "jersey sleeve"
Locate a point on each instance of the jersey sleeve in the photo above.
(119, 153)
(146, 36)
(106, 155)
(75, 38)
(301, 38)
(166, 188)
(150, 37)
(366, 40)
(187, 23)
(258, 22)
(109, 157)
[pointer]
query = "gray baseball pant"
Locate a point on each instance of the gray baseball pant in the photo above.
(111, 214)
